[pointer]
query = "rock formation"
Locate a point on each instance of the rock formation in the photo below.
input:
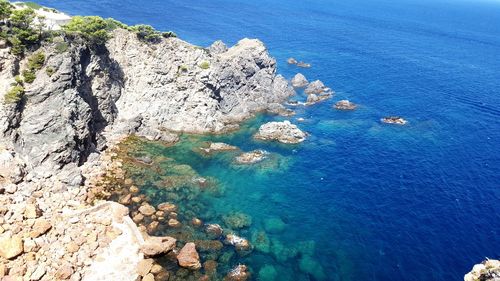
(394, 120)
(284, 132)
(299, 81)
(345, 105)
(488, 270)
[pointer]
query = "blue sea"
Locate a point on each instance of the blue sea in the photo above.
(359, 200)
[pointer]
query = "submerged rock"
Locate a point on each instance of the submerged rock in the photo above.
(394, 120)
(261, 241)
(251, 157)
(268, 273)
(274, 225)
(188, 257)
(345, 105)
(214, 230)
(239, 273)
(284, 132)
(310, 266)
(237, 220)
(299, 81)
(239, 243)
(218, 147)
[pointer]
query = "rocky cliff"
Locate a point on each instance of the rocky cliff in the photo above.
(90, 96)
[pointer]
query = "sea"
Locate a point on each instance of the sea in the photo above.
(359, 200)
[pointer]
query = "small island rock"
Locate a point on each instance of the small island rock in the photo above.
(345, 105)
(284, 132)
(251, 157)
(292, 61)
(299, 81)
(394, 120)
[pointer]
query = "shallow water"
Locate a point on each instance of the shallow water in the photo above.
(418, 202)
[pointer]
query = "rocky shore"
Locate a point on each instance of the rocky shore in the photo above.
(56, 143)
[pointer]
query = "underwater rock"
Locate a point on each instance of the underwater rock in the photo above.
(251, 157)
(284, 132)
(167, 207)
(214, 230)
(345, 105)
(125, 200)
(303, 64)
(394, 120)
(196, 222)
(237, 220)
(214, 147)
(299, 81)
(310, 266)
(261, 241)
(209, 245)
(174, 223)
(210, 267)
(268, 273)
(147, 210)
(154, 246)
(188, 257)
(280, 110)
(239, 273)
(274, 225)
(281, 252)
(144, 159)
(239, 243)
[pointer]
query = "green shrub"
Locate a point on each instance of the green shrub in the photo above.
(114, 24)
(29, 76)
(50, 71)
(19, 80)
(146, 33)
(14, 95)
(205, 65)
(36, 61)
(18, 47)
(92, 28)
(61, 47)
(182, 68)
(168, 34)
(5, 10)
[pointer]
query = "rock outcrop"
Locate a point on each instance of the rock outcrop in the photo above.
(488, 270)
(188, 257)
(251, 157)
(345, 105)
(299, 81)
(284, 132)
(394, 120)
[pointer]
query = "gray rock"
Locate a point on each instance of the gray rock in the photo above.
(299, 81)
(217, 47)
(284, 132)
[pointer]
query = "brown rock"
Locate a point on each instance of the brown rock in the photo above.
(188, 257)
(11, 247)
(138, 218)
(3, 270)
(64, 272)
(167, 207)
(239, 273)
(174, 223)
(196, 222)
(134, 189)
(136, 199)
(32, 211)
(72, 247)
(153, 226)
(154, 246)
(126, 199)
(40, 227)
(144, 266)
(148, 277)
(156, 268)
(147, 210)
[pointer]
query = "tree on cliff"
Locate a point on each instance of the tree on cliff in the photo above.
(5, 10)
(92, 28)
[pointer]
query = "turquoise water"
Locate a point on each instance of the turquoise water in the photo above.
(419, 202)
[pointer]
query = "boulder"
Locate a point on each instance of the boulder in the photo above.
(314, 99)
(394, 120)
(284, 132)
(11, 247)
(40, 227)
(317, 87)
(188, 257)
(147, 210)
(214, 230)
(291, 61)
(488, 270)
(239, 243)
(144, 266)
(251, 157)
(299, 81)
(154, 246)
(167, 207)
(345, 105)
(239, 273)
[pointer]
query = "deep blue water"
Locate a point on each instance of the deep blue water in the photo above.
(417, 202)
